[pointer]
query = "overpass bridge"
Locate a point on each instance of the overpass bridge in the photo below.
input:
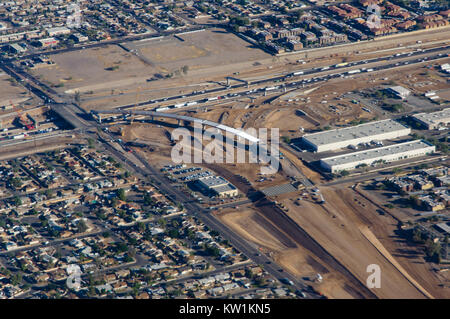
(153, 114)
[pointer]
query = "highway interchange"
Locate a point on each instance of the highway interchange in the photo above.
(77, 116)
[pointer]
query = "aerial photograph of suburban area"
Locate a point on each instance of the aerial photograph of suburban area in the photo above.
(224, 150)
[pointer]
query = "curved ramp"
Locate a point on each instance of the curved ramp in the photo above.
(222, 127)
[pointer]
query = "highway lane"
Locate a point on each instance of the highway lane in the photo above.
(49, 94)
(441, 52)
(147, 170)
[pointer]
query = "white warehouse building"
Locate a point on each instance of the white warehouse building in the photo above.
(389, 153)
(434, 120)
(364, 133)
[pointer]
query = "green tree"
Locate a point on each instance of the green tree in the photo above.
(91, 143)
(81, 226)
(286, 139)
(121, 194)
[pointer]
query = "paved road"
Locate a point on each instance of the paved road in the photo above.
(146, 170)
(415, 57)
(248, 249)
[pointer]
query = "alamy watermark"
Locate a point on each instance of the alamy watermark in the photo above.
(250, 146)
(74, 19)
(374, 279)
(73, 280)
(374, 18)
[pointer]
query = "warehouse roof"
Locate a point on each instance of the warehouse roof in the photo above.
(213, 181)
(354, 132)
(435, 117)
(224, 188)
(376, 152)
(400, 90)
(444, 227)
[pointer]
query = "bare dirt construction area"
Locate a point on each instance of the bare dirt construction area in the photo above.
(199, 50)
(425, 78)
(12, 94)
(154, 139)
(444, 94)
(338, 239)
(409, 255)
(94, 69)
(257, 229)
(335, 227)
(243, 115)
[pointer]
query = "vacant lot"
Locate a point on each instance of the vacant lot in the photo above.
(255, 228)
(336, 228)
(95, 69)
(198, 50)
(11, 93)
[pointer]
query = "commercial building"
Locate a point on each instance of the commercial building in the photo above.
(389, 153)
(218, 185)
(48, 42)
(54, 32)
(399, 91)
(78, 37)
(433, 120)
(15, 48)
(364, 133)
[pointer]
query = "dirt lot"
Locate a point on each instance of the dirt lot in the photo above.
(96, 69)
(199, 50)
(409, 255)
(207, 54)
(351, 232)
(444, 94)
(11, 93)
(335, 227)
(255, 228)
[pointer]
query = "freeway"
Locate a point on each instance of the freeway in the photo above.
(342, 71)
(29, 139)
(142, 167)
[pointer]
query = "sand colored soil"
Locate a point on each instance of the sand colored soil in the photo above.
(255, 228)
(336, 227)
(342, 238)
(409, 255)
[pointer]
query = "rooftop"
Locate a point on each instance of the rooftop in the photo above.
(224, 188)
(354, 132)
(399, 89)
(435, 117)
(377, 152)
(213, 181)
